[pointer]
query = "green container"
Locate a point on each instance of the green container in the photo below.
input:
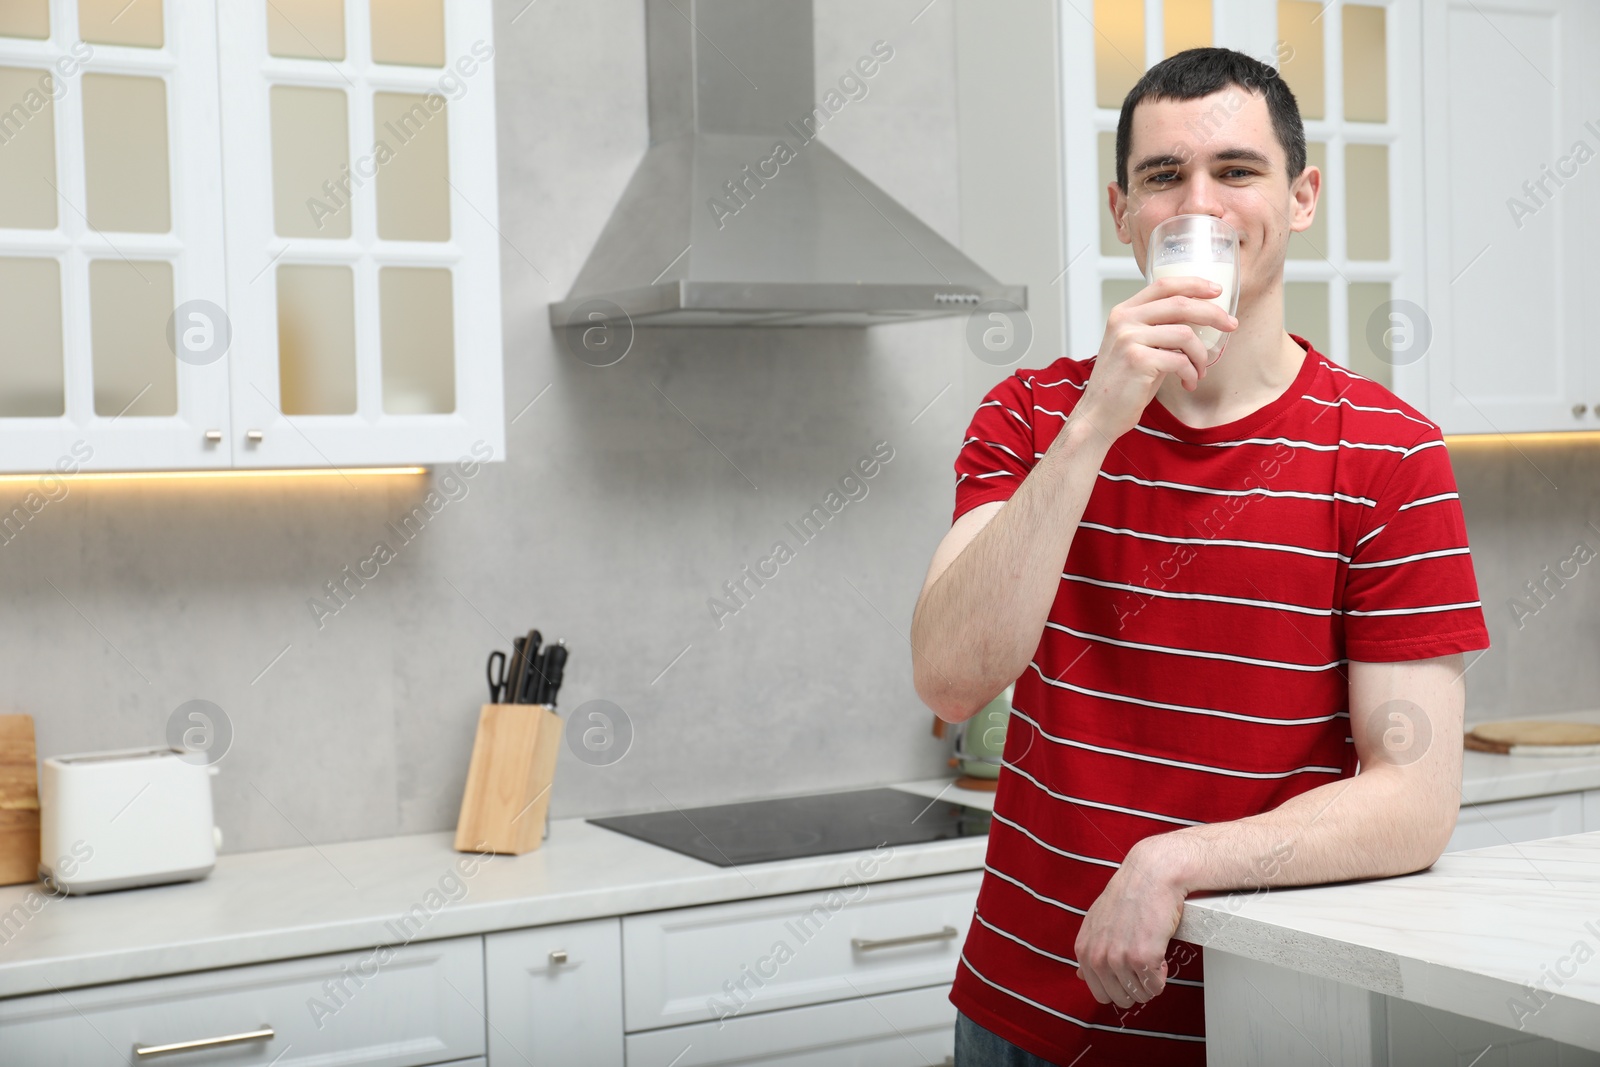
(981, 739)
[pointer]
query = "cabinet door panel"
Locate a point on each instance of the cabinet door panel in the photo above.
(691, 964)
(1510, 821)
(555, 995)
(422, 1005)
(915, 1028)
(110, 169)
(380, 167)
(1508, 229)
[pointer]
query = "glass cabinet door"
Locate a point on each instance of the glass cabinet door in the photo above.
(111, 265)
(363, 258)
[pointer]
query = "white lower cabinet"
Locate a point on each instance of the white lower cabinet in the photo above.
(555, 995)
(690, 965)
(915, 1028)
(1528, 819)
(422, 1004)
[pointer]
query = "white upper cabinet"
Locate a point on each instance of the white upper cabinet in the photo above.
(110, 216)
(248, 234)
(1509, 95)
(363, 262)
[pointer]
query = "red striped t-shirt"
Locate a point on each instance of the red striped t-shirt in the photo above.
(1192, 669)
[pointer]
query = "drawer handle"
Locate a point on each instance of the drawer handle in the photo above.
(263, 1034)
(866, 944)
(558, 957)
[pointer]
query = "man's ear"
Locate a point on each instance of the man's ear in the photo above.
(1119, 211)
(1305, 192)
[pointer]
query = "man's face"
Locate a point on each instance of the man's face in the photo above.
(1216, 155)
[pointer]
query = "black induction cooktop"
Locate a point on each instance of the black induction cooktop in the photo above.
(782, 828)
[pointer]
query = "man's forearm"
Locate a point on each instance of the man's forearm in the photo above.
(980, 621)
(1369, 826)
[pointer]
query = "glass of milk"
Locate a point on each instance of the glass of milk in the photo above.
(1200, 245)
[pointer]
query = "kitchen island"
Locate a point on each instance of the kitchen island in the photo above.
(1491, 952)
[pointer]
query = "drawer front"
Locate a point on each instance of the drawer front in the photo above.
(916, 1028)
(421, 1005)
(720, 961)
(1528, 819)
(555, 995)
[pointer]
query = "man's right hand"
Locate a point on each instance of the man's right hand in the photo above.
(1148, 337)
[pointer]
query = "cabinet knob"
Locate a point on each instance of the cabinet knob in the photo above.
(253, 436)
(213, 436)
(558, 957)
(1578, 410)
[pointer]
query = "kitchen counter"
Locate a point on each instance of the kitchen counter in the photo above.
(286, 903)
(1469, 936)
(1488, 776)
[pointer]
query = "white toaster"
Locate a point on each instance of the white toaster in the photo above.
(113, 820)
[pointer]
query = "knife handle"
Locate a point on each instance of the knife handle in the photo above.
(530, 659)
(513, 671)
(555, 663)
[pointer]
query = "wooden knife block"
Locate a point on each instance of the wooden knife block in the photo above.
(508, 782)
(19, 801)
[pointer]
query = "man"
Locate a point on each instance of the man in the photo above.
(1266, 581)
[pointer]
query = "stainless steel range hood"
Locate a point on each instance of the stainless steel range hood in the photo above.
(738, 215)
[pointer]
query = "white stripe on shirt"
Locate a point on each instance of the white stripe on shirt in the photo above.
(1291, 493)
(1215, 541)
(1053, 848)
(1187, 709)
(1174, 650)
(1347, 373)
(1275, 605)
(1072, 1019)
(1429, 500)
(1144, 590)
(1051, 955)
(1097, 804)
(1013, 414)
(1359, 407)
(1034, 893)
(1367, 537)
(1144, 758)
(1424, 610)
(1291, 442)
(1410, 559)
(1051, 385)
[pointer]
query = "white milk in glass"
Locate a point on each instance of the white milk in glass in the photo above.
(1221, 273)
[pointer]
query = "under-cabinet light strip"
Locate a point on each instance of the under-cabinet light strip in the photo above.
(124, 476)
(1537, 437)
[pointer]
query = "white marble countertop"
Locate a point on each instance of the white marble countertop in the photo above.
(1469, 935)
(1488, 776)
(284, 903)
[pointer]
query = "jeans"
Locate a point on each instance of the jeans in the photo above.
(977, 1047)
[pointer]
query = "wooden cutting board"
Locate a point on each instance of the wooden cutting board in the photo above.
(1534, 737)
(19, 801)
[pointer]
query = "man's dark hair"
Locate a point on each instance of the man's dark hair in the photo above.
(1199, 72)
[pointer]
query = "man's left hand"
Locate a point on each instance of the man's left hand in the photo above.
(1122, 942)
